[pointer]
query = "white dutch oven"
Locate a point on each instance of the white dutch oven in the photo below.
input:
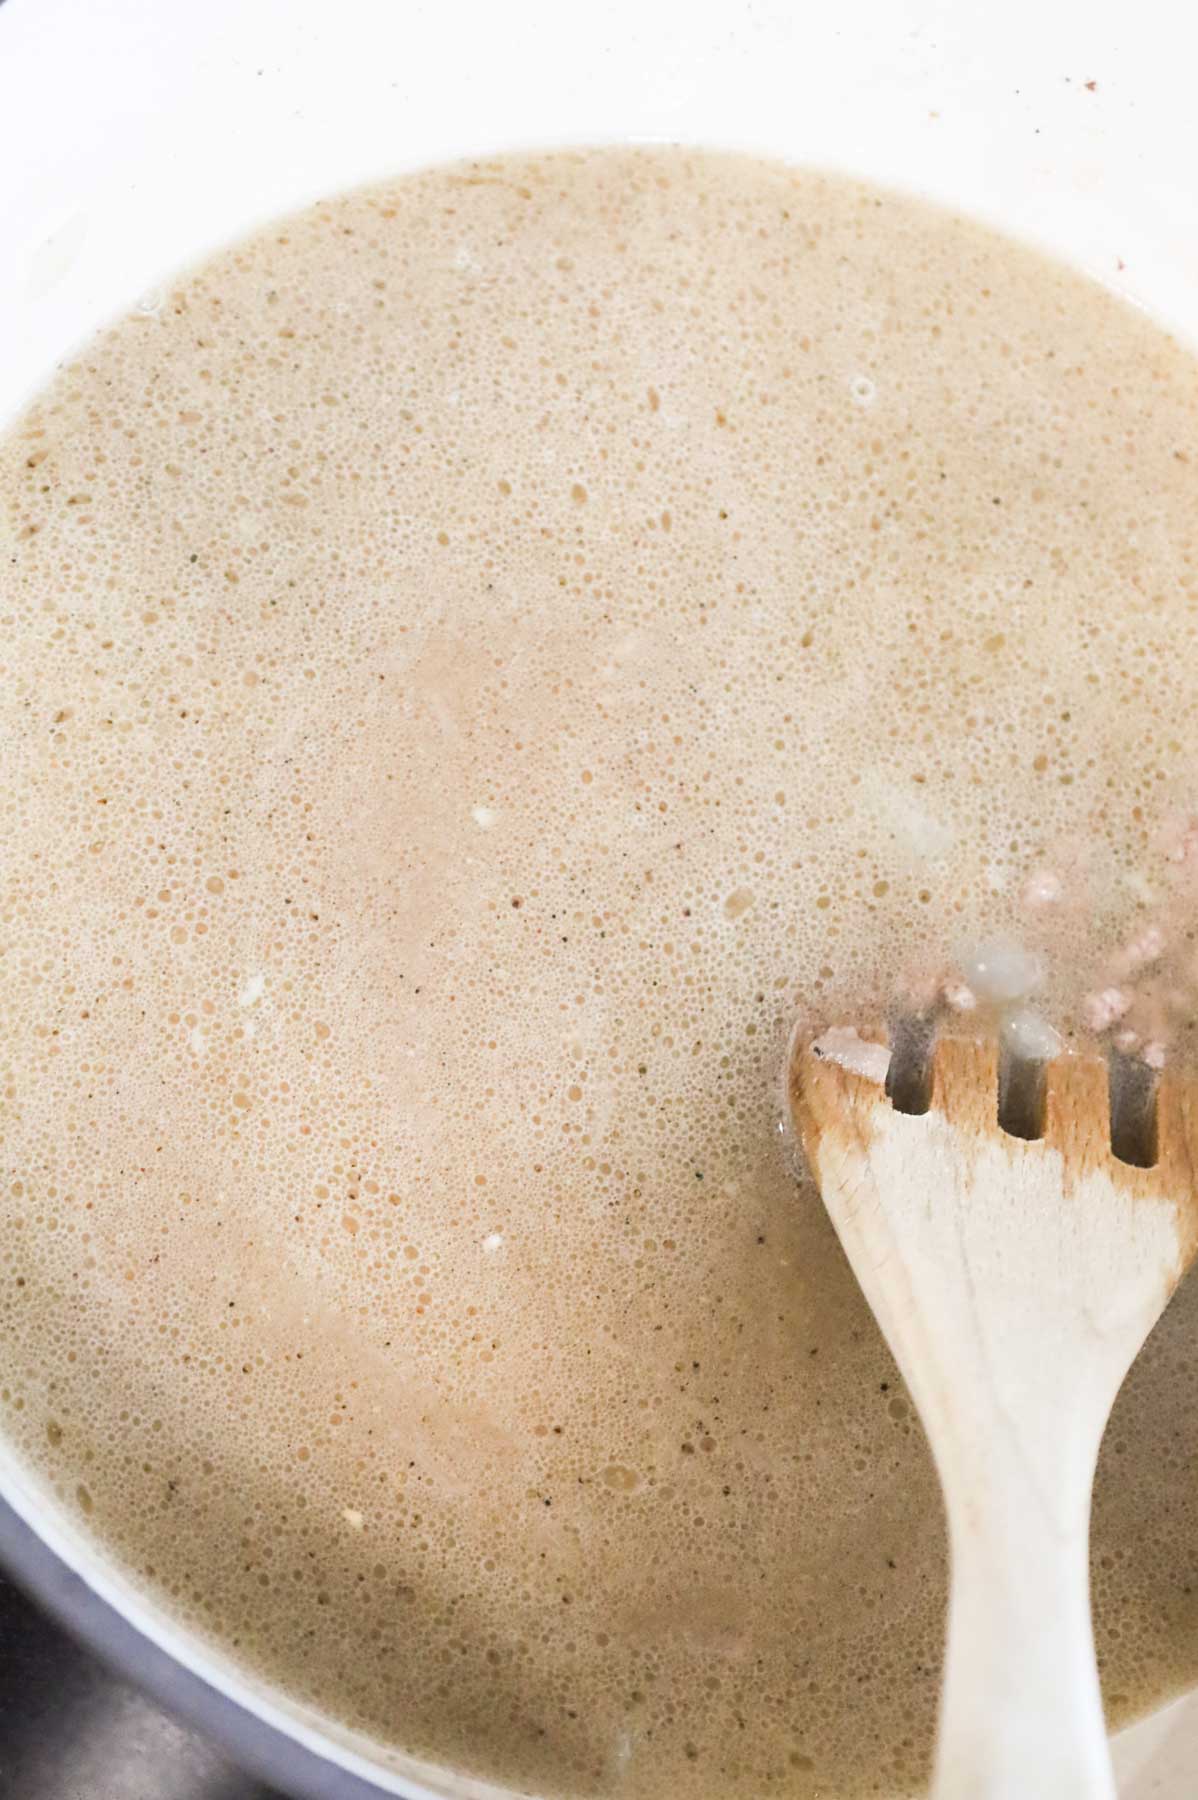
(134, 137)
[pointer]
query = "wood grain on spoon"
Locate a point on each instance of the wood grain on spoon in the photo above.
(1015, 1282)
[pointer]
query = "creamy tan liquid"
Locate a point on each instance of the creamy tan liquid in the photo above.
(479, 662)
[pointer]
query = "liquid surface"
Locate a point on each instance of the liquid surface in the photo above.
(480, 660)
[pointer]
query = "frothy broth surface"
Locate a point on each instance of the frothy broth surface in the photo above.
(480, 660)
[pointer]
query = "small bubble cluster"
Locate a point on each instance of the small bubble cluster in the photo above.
(479, 660)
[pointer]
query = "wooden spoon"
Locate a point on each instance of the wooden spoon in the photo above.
(1015, 1282)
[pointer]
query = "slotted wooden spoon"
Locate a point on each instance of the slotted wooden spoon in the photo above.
(1015, 1282)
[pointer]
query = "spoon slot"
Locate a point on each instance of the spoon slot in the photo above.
(909, 1077)
(1021, 1095)
(1134, 1134)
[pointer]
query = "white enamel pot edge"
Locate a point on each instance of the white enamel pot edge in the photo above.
(135, 138)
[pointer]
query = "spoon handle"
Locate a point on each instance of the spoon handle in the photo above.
(1020, 1712)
